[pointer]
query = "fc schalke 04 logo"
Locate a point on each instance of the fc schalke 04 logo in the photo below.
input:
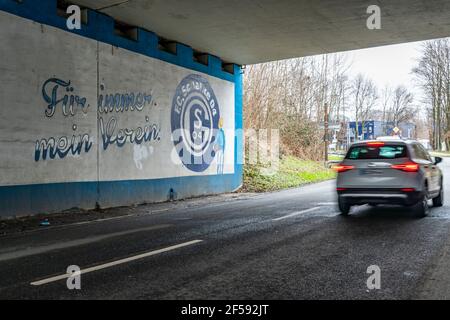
(195, 122)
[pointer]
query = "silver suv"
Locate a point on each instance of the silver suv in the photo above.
(389, 172)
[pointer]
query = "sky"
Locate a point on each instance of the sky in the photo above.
(388, 65)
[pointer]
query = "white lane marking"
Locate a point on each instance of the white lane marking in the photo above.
(327, 203)
(296, 214)
(10, 253)
(115, 263)
(114, 218)
(94, 221)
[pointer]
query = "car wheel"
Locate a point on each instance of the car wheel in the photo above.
(439, 200)
(344, 207)
(422, 208)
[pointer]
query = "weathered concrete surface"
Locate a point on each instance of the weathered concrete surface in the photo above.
(121, 71)
(30, 55)
(247, 32)
(86, 122)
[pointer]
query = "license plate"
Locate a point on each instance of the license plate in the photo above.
(371, 172)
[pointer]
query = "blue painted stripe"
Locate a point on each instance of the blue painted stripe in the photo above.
(46, 198)
(239, 125)
(50, 198)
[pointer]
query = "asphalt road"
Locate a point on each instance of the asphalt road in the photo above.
(285, 245)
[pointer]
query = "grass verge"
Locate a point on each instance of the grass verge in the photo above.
(336, 157)
(293, 172)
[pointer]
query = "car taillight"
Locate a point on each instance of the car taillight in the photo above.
(408, 190)
(342, 168)
(375, 144)
(407, 167)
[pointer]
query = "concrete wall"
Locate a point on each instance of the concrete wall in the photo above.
(89, 118)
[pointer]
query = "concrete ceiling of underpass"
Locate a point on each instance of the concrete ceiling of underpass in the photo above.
(253, 31)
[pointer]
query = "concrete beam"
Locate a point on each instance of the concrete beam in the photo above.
(247, 32)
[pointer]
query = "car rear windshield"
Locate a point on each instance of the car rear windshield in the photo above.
(377, 152)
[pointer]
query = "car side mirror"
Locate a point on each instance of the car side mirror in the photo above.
(437, 160)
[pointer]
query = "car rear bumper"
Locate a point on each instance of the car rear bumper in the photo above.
(380, 196)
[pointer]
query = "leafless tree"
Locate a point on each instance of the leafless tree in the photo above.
(433, 74)
(401, 109)
(365, 96)
(290, 96)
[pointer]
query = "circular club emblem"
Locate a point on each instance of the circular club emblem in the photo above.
(195, 122)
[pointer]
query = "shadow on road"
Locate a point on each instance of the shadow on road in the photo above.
(383, 212)
(365, 221)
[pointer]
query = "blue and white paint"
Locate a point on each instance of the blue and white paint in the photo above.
(53, 148)
(122, 102)
(115, 104)
(70, 103)
(195, 122)
(59, 93)
(88, 123)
